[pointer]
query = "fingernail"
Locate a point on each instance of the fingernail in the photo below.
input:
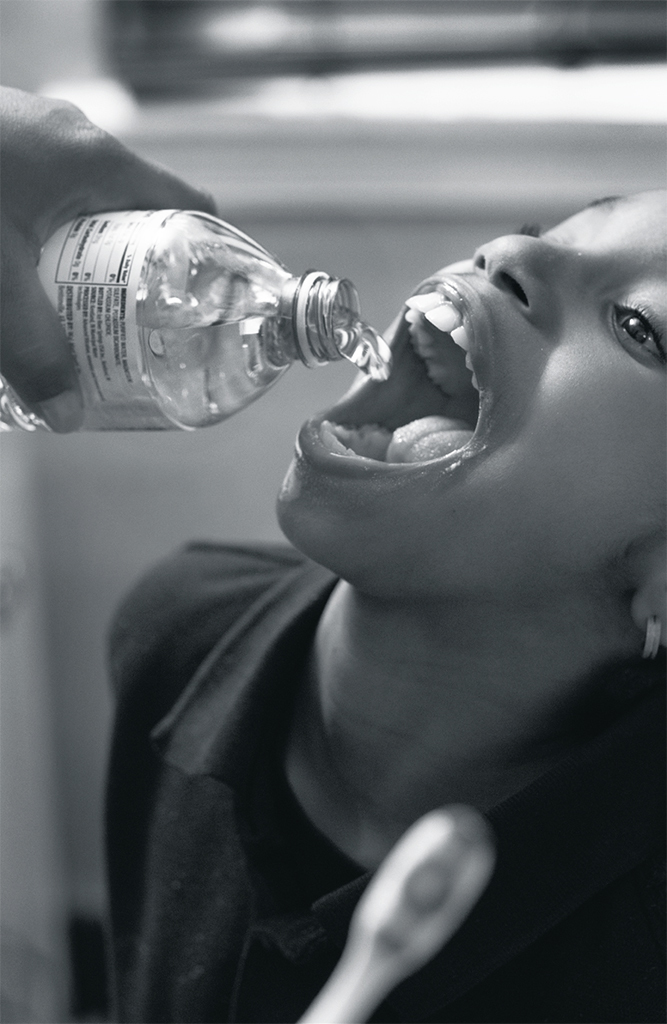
(63, 412)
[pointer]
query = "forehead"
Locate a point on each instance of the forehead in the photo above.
(629, 230)
(636, 221)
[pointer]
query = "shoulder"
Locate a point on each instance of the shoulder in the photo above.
(176, 613)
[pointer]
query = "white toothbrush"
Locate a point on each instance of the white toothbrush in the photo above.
(420, 894)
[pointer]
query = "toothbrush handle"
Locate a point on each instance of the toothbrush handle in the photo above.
(421, 893)
(357, 986)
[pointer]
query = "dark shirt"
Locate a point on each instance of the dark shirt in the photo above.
(228, 905)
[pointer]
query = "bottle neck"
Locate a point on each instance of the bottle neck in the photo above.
(324, 324)
(320, 306)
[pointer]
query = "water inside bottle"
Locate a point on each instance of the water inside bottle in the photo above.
(209, 294)
(204, 374)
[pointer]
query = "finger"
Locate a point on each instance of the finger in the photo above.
(151, 182)
(89, 171)
(36, 357)
(111, 177)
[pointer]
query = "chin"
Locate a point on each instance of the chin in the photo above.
(332, 533)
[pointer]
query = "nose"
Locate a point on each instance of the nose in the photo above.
(521, 266)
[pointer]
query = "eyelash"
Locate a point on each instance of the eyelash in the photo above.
(643, 315)
(529, 229)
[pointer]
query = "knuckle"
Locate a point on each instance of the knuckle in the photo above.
(73, 135)
(36, 374)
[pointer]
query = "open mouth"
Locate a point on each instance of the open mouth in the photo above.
(430, 406)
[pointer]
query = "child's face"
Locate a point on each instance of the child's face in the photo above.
(566, 465)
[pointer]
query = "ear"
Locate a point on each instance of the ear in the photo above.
(650, 597)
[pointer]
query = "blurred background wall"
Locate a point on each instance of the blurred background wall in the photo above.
(377, 141)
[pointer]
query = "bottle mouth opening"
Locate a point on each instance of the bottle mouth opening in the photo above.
(323, 308)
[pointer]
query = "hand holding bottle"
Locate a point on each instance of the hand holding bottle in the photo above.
(56, 164)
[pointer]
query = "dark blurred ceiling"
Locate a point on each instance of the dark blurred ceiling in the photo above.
(203, 46)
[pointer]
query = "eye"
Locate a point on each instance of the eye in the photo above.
(529, 229)
(637, 331)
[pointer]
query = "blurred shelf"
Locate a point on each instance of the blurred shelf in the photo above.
(174, 47)
(334, 167)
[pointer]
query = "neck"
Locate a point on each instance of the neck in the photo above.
(407, 707)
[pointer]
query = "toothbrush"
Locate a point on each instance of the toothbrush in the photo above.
(420, 894)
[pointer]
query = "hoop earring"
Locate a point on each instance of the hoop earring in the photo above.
(652, 642)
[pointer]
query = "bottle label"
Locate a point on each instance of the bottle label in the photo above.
(91, 270)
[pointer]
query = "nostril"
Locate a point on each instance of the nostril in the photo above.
(513, 286)
(495, 261)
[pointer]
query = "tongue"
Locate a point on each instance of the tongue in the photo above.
(428, 438)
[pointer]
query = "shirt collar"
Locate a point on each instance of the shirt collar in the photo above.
(243, 692)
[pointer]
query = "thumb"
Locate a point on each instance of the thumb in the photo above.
(36, 357)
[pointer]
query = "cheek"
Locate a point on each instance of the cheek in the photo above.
(599, 428)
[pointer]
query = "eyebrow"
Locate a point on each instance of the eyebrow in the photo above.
(608, 201)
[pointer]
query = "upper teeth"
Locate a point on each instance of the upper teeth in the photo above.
(425, 302)
(460, 336)
(445, 318)
(442, 314)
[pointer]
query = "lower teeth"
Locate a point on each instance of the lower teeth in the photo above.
(369, 441)
(429, 438)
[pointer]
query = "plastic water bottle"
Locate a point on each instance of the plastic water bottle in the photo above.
(177, 320)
